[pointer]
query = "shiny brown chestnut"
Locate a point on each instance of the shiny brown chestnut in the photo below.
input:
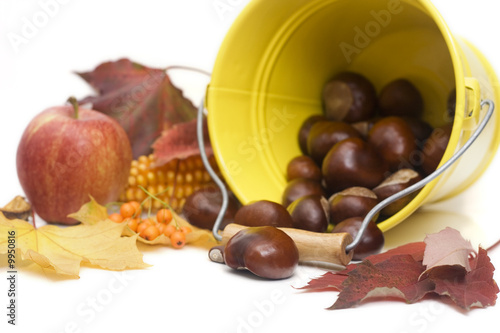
(393, 138)
(263, 213)
(324, 135)
(310, 213)
(420, 129)
(351, 202)
(372, 240)
(304, 131)
(363, 127)
(352, 162)
(400, 98)
(265, 251)
(400, 180)
(203, 206)
(303, 167)
(300, 187)
(349, 97)
(434, 147)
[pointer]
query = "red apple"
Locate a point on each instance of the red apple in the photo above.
(65, 155)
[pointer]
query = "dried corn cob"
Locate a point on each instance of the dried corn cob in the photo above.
(172, 182)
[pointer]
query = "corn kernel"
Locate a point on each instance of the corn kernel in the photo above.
(142, 181)
(134, 171)
(132, 181)
(143, 160)
(151, 177)
(171, 182)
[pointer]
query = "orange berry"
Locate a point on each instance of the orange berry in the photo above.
(143, 226)
(137, 207)
(133, 224)
(127, 210)
(150, 233)
(178, 239)
(169, 230)
(161, 227)
(115, 217)
(164, 215)
(185, 229)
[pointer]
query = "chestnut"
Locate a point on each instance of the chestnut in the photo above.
(300, 187)
(393, 138)
(372, 240)
(304, 131)
(202, 208)
(351, 202)
(434, 147)
(324, 135)
(265, 251)
(216, 254)
(363, 127)
(395, 183)
(303, 167)
(263, 213)
(420, 129)
(310, 213)
(352, 162)
(400, 98)
(312, 246)
(349, 97)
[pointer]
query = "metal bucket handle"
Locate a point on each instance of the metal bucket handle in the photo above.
(377, 208)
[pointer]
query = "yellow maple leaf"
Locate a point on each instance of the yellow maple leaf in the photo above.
(64, 249)
(92, 212)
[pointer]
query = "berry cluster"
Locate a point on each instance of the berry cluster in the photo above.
(151, 227)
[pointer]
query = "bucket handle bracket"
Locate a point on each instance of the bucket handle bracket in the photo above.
(473, 104)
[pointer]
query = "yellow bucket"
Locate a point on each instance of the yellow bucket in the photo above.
(278, 54)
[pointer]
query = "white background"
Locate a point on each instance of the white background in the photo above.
(184, 291)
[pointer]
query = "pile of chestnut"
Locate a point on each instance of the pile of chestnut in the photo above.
(364, 148)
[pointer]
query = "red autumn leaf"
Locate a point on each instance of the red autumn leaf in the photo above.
(142, 99)
(416, 250)
(333, 281)
(395, 277)
(180, 141)
(400, 273)
(475, 288)
(447, 247)
(329, 281)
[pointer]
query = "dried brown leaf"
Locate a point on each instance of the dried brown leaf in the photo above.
(17, 208)
(142, 99)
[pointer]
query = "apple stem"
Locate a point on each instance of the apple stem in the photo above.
(72, 100)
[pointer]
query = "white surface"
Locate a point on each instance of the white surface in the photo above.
(184, 291)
